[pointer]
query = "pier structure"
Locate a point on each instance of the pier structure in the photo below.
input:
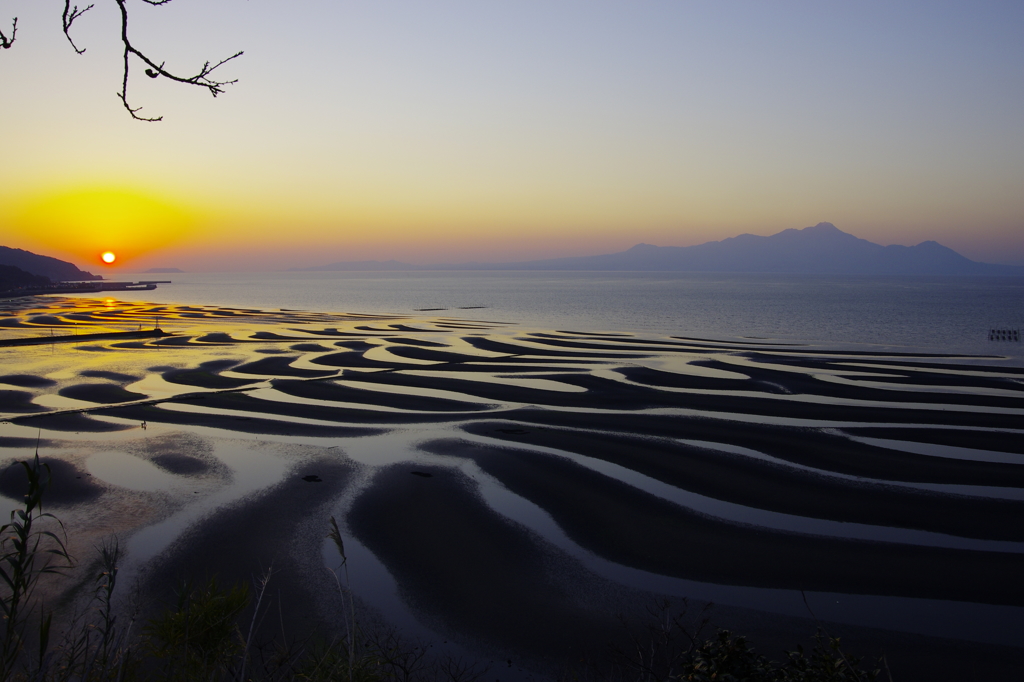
(84, 287)
(1004, 335)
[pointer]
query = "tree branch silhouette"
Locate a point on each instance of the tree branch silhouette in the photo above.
(70, 14)
(204, 78)
(6, 42)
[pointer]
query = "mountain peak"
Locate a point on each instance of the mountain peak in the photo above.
(823, 249)
(822, 227)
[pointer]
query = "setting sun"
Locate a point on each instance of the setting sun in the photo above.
(74, 221)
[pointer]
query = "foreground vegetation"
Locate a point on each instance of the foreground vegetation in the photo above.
(204, 637)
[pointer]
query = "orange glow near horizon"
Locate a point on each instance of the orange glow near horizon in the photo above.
(73, 221)
(440, 140)
(153, 228)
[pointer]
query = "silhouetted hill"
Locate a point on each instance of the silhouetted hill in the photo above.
(821, 250)
(56, 270)
(16, 278)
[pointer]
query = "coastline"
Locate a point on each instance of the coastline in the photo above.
(894, 314)
(185, 440)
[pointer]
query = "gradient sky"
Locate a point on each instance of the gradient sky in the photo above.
(448, 131)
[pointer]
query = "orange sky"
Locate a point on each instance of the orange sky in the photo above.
(462, 131)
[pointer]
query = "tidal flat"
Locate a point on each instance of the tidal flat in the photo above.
(516, 493)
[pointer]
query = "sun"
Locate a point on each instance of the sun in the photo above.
(75, 221)
(108, 257)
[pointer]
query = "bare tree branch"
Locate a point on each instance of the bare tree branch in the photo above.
(6, 42)
(70, 14)
(202, 79)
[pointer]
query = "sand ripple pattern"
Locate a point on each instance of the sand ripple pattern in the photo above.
(746, 463)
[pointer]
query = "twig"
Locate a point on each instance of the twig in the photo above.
(335, 535)
(6, 42)
(262, 585)
(885, 663)
(202, 79)
(70, 14)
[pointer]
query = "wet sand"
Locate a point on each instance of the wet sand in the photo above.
(471, 571)
(763, 485)
(253, 538)
(524, 491)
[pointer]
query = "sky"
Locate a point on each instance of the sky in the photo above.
(448, 131)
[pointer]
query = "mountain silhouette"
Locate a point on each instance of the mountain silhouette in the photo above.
(12, 278)
(820, 250)
(53, 268)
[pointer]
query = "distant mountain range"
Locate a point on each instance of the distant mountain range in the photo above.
(820, 250)
(52, 268)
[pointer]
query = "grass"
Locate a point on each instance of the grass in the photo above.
(28, 554)
(202, 637)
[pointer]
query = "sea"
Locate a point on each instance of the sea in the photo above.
(911, 313)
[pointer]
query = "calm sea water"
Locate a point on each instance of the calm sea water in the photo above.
(921, 313)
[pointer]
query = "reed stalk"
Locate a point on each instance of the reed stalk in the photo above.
(27, 553)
